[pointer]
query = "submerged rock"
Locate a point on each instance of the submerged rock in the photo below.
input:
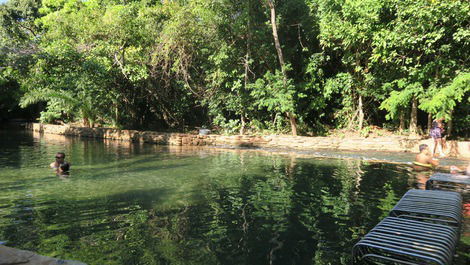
(12, 256)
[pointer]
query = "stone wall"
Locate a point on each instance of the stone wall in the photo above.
(13, 256)
(459, 149)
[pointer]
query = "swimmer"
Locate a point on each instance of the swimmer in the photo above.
(424, 160)
(59, 159)
(63, 169)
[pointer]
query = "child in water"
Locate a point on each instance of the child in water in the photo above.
(63, 169)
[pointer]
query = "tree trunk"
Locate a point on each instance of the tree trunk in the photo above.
(246, 65)
(242, 115)
(450, 124)
(243, 123)
(86, 122)
(402, 121)
(293, 123)
(116, 116)
(414, 116)
(277, 44)
(428, 126)
(361, 113)
(352, 120)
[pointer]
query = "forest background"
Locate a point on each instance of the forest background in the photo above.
(238, 66)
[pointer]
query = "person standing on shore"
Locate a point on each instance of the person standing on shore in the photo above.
(436, 134)
(443, 135)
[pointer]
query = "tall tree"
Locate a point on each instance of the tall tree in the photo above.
(19, 41)
(277, 43)
(346, 30)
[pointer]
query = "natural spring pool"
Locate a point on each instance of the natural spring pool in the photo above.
(130, 203)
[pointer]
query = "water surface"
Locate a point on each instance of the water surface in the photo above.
(146, 204)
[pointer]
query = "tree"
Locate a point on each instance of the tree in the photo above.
(299, 65)
(444, 100)
(346, 30)
(18, 44)
(290, 114)
(423, 49)
(62, 102)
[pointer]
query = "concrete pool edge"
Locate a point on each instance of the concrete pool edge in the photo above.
(457, 149)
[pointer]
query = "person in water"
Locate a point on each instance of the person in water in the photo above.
(59, 159)
(63, 169)
(457, 170)
(424, 160)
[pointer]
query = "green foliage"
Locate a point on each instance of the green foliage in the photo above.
(343, 84)
(228, 127)
(387, 203)
(61, 102)
(18, 42)
(273, 93)
(422, 51)
(70, 83)
(174, 64)
(400, 96)
(443, 101)
(17, 20)
(9, 92)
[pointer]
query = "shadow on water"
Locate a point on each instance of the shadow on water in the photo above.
(283, 217)
(143, 166)
(11, 144)
(294, 219)
(32, 220)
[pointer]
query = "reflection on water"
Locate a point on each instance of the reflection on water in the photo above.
(145, 204)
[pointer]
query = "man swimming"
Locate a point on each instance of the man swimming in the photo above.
(59, 159)
(424, 160)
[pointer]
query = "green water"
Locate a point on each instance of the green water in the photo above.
(146, 204)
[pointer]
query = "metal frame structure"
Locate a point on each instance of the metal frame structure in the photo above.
(453, 182)
(444, 207)
(423, 228)
(402, 241)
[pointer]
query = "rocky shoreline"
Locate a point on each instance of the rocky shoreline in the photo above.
(457, 149)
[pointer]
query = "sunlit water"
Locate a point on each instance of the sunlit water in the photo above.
(146, 204)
